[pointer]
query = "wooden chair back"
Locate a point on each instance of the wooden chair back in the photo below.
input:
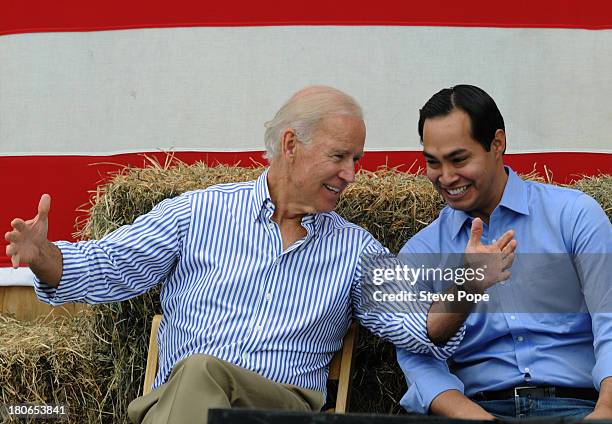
(340, 368)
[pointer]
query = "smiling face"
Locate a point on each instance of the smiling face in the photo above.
(321, 169)
(466, 175)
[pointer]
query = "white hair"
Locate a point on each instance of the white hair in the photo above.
(304, 111)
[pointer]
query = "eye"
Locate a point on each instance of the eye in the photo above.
(431, 163)
(460, 160)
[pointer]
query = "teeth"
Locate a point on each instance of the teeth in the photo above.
(457, 191)
(334, 189)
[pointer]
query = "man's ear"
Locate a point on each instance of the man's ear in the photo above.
(288, 144)
(498, 145)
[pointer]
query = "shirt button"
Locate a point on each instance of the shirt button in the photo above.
(513, 317)
(258, 328)
(519, 338)
(245, 356)
(526, 369)
(494, 240)
(270, 225)
(268, 296)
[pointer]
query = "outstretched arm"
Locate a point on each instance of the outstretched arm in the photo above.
(28, 244)
(445, 318)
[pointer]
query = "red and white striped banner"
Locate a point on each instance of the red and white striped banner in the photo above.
(103, 82)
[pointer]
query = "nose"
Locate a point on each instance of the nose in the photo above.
(447, 176)
(348, 172)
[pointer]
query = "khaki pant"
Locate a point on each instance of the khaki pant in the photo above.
(201, 382)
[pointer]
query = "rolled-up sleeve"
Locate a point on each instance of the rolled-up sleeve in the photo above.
(427, 377)
(591, 234)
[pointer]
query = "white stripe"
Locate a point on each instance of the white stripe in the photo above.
(211, 89)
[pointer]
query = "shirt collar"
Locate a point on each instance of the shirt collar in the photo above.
(515, 195)
(261, 199)
(514, 198)
(260, 195)
(312, 223)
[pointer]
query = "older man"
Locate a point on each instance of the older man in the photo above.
(259, 279)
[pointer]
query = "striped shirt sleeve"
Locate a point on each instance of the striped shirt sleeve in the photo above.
(404, 324)
(125, 263)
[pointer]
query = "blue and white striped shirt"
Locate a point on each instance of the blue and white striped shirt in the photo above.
(229, 290)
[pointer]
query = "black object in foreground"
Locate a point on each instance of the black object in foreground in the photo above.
(248, 416)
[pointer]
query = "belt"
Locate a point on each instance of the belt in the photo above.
(539, 392)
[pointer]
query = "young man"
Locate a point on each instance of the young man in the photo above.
(543, 344)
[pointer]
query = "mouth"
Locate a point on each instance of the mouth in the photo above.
(333, 189)
(457, 192)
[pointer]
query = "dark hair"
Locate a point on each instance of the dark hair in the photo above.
(485, 117)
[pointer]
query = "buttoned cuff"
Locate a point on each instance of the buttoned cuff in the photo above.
(75, 275)
(427, 378)
(602, 369)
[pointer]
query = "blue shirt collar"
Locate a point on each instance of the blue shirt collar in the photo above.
(515, 195)
(514, 198)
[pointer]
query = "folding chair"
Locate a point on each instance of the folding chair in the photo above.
(340, 368)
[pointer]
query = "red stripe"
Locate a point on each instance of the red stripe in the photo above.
(68, 178)
(77, 15)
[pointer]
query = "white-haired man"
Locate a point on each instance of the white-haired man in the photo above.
(259, 279)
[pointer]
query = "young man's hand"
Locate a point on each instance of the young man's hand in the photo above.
(493, 260)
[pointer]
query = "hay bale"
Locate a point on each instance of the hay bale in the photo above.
(132, 192)
(61, 361)
(600, 189)
(391, 205)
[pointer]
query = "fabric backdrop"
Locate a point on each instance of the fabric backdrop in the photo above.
(84, 86)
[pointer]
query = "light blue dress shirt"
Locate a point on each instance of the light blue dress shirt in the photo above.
(521, 337)
(229, 290)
